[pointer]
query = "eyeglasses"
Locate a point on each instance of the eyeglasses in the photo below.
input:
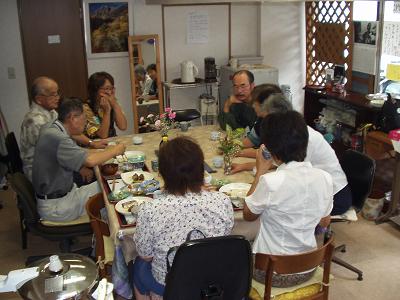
(53, 95)
(108, 88)
(241, 87)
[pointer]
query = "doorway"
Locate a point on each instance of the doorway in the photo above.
(53, 43)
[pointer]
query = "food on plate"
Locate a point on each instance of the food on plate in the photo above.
(129, 205)
(137, 177)
(113, 196)
(236, 193)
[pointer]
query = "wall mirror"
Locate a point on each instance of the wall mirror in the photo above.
(147, 97)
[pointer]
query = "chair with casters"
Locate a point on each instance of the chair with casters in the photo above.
(359, 170)
(186, 115)
(14, 163)
(14, 155)
(210, 268)
(64, 232)
(104, 250)
(317, 287)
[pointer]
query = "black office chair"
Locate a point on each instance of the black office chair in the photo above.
(211, 268)
(14, 164)
(13, 154)
(186, 115)
(359, 170)
(62, 233)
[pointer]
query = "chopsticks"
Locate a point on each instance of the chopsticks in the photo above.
(113, 185)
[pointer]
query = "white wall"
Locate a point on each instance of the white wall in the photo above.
(118, 67)
(282, 36)
(13, 92)
(245, 29)
(272, 30)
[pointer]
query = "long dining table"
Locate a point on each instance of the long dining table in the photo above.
(122, 235)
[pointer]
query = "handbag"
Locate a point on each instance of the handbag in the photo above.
(389, 117)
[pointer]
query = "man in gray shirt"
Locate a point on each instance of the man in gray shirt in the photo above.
(45, 97)
(56, 157)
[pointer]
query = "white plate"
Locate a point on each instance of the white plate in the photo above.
(127, 177)
(124, 211)
(236, 189)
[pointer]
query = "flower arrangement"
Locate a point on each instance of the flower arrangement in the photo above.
(163, 122)
(230, 146)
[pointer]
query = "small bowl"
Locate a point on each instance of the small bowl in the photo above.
(109, 169)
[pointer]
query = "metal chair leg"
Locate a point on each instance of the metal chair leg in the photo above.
(341, 248)
(24, 230)
(346, 265)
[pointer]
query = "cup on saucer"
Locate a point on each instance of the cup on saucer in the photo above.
(218, 161)
(137, 140)
(214, 136)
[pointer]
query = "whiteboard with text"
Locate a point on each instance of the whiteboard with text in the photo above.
(193, 32)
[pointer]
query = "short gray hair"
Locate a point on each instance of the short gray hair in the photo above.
(140, 70)
(68, 106)
(276, 103)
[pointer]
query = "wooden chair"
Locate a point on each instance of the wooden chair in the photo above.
(104, 245)
(288, 264)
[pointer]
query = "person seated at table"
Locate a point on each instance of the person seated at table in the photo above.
(237, 111)
(290, 201)
(184, 206)
(152, 72)
(144, 81)
(102, 108)
(56, 157)
(319, 152)
(260, 93)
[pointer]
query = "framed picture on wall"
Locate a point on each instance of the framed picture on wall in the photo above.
(108, 23)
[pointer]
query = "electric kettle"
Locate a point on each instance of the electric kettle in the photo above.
(188, 71)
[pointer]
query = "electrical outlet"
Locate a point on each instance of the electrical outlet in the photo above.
(11, 73)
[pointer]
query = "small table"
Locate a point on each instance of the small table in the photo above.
(151, 140)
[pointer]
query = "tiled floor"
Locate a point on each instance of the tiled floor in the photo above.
(374, 249)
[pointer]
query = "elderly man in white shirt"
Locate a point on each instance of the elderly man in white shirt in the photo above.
(290, 201)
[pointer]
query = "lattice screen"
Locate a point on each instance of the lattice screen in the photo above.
(329, 39)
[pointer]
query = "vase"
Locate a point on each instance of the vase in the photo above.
(227, 164)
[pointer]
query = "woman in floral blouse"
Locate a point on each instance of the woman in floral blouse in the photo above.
(102, 109)
(165, 222)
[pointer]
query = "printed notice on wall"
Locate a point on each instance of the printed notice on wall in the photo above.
(396, 7)
(391, 38)
(364, 58)
(197, 28)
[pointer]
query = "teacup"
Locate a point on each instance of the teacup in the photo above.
(137, 140)
(214, 136)
(218, 161)
(184, 125)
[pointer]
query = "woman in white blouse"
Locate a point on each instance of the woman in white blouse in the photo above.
(184, 206)
(290, 201)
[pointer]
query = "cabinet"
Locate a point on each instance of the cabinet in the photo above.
(316, 100)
